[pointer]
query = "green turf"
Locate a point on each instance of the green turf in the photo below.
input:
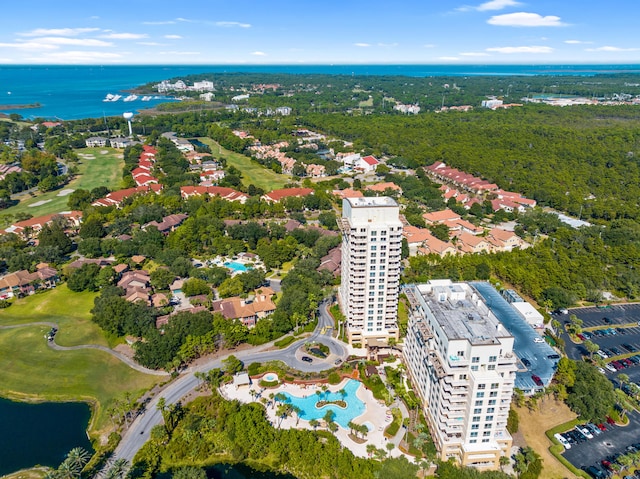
(30, 369)
(252, 173)
(60, 305)
(104, 170)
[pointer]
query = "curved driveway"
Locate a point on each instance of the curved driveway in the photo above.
(139, 431)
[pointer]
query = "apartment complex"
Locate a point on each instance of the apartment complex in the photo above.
(461, 362)
(371, 248)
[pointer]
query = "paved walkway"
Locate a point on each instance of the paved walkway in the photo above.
(52, 344)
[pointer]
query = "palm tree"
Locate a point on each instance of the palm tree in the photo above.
(504, 461)
(352, 426)
(343, 393)
(296, 410)
(117, 470)
(371, 449)
(314, 423)
(78, 457)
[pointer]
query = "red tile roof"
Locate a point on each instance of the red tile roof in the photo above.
(370, 160)
(277, 195)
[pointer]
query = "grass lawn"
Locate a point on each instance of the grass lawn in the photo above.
(60, 305)
(252, 173)
(104, 170)
(533, 425)
(29, 369)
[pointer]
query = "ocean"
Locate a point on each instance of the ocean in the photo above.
(74, 92)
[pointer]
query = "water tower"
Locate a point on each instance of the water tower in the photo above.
(127, 115)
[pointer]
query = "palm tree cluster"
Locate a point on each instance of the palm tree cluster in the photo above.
(72, 466)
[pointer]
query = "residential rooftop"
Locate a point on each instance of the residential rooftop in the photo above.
(364, 202)
(461, 312)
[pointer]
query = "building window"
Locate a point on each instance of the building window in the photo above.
(372, 274)
(492, 402)
(475, 359)
(373, 233)
(481, 386)
(476, 419)
(479, 403)
(486, 433)
(491, 367)
(372, 281)
(463, 377)
(493, 394)
(493, 359)
(480, 394)
(489, 418)
(373, 261)
(474, 368)
(460, 354)
(475, 426)
(373, 248)
(495, 385)
(477, 411)
(485, 440)
(491, 410)
(474, 434)
(487, 425)
(473, 441)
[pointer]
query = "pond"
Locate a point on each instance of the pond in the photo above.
(40, 433)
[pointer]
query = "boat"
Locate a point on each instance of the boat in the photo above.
(146, 98)
(131, 98)
(116, 97)
(109, 97)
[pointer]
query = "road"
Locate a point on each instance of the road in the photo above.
(139, 431)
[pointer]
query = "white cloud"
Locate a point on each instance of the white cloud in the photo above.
(29, 46)
(81, 56)
(474, 54)
(611, 49)
(152, 44)
(179, 53)
(168, 22)
(525, 19)
(85, 42)
(60, 32)
(577, 42)
(448, 58)
(496, 5)
(532, 49)
(125, 36)
(259, 54)
(363, 45)
(173, 37)
(233, 24)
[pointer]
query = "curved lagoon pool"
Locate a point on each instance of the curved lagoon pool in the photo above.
(308, 410)
(236, 266)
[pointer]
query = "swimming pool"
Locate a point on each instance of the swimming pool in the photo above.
(308, 410)
(236, 266)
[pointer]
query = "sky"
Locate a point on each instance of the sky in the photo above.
(322, 32)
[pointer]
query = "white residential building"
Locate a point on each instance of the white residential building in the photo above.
(461, 362)
(371, 245)
(204, 85)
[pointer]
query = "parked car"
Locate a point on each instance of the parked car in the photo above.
(584, 431)
(601, 426)
(602, 354)
(526, 362)
(629, 347)
(537, 380)
(307, 359)
(593, 428)
(538, 339)
(562, 440)
(595, 472)
(553, 356)
(610, 421)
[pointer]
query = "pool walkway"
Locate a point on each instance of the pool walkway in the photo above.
(376, 413)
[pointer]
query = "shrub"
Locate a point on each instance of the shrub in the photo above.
(334, 378)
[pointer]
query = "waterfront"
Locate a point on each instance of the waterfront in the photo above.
(40, 434)
(74, 92)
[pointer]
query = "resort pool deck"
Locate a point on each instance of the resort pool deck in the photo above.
(309, 410)
(236, 266)
(371, 412)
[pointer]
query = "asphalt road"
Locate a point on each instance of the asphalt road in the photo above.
(139, 431)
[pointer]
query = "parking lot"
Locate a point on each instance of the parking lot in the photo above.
(612, 317)
(614, 440)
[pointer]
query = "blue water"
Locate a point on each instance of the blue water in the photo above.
(308, 410)
(73, 92)
(235, 266)
(40, 433)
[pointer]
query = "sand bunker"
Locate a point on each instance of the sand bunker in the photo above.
(39, 203)
(65, 192)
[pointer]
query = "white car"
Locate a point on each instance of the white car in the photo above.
(602, 354)
(584, 431)
(562, 440)
(538, 339)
